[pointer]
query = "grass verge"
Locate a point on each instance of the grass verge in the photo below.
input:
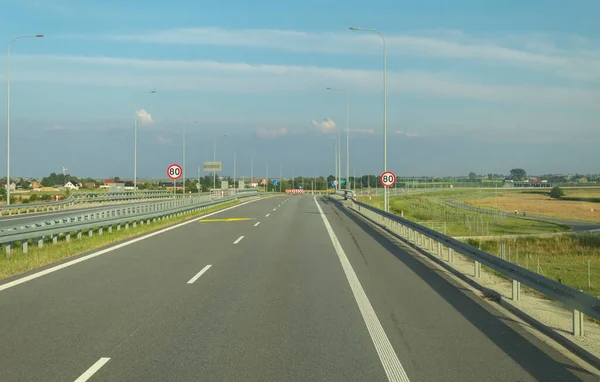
(20, 262)
(458, 222)
(563, 258)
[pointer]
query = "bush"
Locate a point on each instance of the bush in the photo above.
(557, 192)
(34, 198)
(46, 197)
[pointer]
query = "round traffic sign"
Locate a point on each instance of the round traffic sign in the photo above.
(387, 179)
(174, 171)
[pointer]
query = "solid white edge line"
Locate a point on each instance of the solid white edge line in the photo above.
(118, 246)
(267, 215)
(238, 240)
(193, 279)
(388, 357)
(257, 223)
(92, 370)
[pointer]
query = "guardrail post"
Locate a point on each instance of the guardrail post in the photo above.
(134, 224)
(477, 269)
(118, 227)
(41, 242)
(109, 229)
(100, 231)
(54, 239)
(577, 323)
(91, 232)
(7, 249)
(25, 246)
(439, 249)
(516, 290)
(127, 225)
(68, 237)
(79, 234)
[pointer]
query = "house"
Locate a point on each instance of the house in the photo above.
(72, 186)
(13, 186)
(24, 184)
(36, 186)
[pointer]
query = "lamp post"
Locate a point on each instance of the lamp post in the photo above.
(234, 150)
(385, 192)
(214, 160)
(183, 164)
(135, 129)
(347, 138)
(8, 114)
(336, 154)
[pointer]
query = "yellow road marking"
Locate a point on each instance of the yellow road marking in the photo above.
(225, 220)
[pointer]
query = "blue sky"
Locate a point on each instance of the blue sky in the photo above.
(472, 86)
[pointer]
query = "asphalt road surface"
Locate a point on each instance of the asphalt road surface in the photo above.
(287, 289)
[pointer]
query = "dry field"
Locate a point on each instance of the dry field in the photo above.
(538, 203)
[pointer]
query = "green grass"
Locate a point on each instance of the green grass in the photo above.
(459, 222)
(561, 258)
(20, 262)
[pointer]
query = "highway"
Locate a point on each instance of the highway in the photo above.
(288, 289)
(24, 219)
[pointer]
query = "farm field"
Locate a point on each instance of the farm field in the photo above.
(577, 204)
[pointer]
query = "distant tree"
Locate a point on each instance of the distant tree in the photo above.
(518, 174)
(117, 178)
(490, 176)
(556, 192)
(472, 175)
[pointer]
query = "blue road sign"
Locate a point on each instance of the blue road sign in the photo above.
(275, 182)
(299, 187)
(332, 183)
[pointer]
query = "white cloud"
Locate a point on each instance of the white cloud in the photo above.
(212, 76)
(324, 126)
(271, 133)
(144, 117)
(408, 134)
(362, 131)
(577, 60)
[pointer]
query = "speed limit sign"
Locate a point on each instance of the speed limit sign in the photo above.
(174, 171)
(388, 179)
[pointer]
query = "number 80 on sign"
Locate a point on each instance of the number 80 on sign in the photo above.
(174, 171)
(387, 179)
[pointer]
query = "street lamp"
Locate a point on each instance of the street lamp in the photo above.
(347, 139)
(214, 160)
(385, 191)
(234, 161)
(183, 165)
(135, 129)
(8, 115)
(336, 151)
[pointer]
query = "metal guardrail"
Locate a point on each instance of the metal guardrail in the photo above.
(574, 299)
(108, 217)
(80, 198)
